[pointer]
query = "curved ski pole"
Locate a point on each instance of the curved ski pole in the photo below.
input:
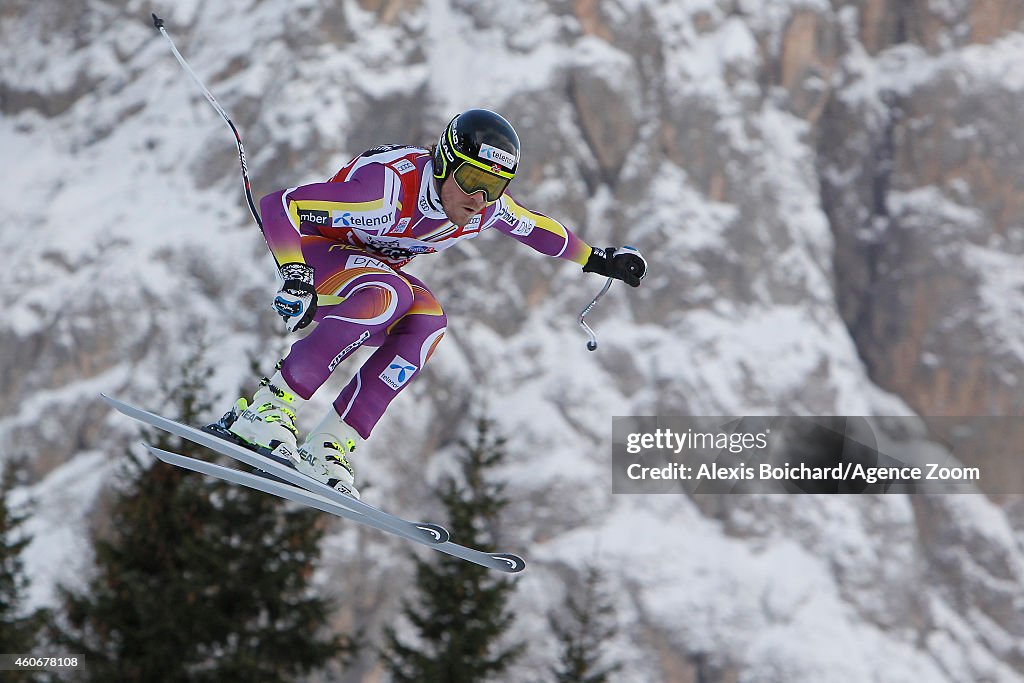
(592, 343)
(158, 23)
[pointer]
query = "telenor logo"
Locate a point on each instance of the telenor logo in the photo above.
(506, 159)
(348, 220)
(398, 372)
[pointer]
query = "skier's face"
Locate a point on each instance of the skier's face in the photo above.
(459, 206)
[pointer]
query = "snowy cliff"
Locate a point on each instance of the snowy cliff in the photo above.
(829, 197)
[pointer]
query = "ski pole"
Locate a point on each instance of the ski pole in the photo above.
(159, 24)
(592, 343)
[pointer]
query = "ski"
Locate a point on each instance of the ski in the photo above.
(429, 533)
(500, 561)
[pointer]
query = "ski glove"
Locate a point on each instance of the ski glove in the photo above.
(296, 300)
(624, 263)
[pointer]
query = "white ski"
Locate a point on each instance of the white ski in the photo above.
(295, 484)
(431, 533)
(500, 561)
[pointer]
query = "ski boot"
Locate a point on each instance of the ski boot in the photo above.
(269, 422)
(325, 454)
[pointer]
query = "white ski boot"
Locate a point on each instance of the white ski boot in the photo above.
(270, 420)
(325, 454)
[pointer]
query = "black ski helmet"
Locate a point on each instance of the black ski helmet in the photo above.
(479, 137)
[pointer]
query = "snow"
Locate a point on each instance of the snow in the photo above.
(60, 552)
(130, 200)
(998, 62)
(469, 67)
(1002, 283)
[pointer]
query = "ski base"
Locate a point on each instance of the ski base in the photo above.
(277, 476)
(504, 562)
(432, 533)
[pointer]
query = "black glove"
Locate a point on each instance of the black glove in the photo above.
(624, 264)
(296, 300)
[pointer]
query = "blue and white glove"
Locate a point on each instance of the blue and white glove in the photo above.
(624, 263)
(296, 300)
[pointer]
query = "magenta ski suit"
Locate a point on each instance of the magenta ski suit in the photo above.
(357, 231)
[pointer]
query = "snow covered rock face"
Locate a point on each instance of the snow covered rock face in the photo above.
(920, 185)
(827, 193)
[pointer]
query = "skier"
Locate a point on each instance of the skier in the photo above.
(343, 244)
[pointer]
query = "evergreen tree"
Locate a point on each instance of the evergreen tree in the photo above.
(585, 624)
(198, 579)
(18, 632)
(461, 610)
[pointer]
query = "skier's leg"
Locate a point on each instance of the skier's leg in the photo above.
(369, 297)
(407, 344)
(407, 347)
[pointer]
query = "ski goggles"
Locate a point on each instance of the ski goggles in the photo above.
(472, 179)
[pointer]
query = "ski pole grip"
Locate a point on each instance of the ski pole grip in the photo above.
(592, 342)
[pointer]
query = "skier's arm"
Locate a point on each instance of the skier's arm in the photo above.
(281, 235)
(548, 236)
(539, 232)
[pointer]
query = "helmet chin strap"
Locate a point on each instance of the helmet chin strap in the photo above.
(437, 189)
